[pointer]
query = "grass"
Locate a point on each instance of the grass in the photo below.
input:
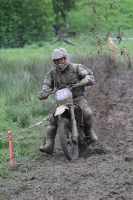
(101, 14)
(84, 44)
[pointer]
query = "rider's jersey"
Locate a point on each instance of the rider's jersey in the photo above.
(74, 73)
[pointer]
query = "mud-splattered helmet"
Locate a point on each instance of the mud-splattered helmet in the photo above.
(59, 53)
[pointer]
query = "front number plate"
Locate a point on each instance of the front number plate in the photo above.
(61, 94)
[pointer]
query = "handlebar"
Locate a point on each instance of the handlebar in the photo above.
(63, 86)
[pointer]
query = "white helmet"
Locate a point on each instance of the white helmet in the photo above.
(60, 53)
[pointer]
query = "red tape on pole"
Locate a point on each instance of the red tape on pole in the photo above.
(10, 147)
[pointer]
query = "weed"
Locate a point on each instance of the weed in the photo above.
(23, 118)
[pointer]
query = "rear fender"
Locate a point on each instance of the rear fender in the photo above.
(60, 109)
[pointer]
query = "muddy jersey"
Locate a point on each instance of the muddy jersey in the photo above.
(74, 73)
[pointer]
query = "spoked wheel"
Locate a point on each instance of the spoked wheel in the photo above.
(69, 147)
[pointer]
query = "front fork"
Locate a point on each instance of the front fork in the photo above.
(74, 125)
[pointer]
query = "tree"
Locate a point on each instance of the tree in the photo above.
(61, 9)
(24, 21)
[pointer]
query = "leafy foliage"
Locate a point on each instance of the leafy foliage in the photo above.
(23, 21)
(62, 8)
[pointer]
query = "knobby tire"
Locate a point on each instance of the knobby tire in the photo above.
(64, 129)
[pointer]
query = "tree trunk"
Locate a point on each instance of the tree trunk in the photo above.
(61, 39)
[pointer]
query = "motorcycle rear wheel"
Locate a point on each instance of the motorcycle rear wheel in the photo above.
(69, 147)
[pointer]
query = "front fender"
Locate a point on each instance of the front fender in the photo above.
(60, 109)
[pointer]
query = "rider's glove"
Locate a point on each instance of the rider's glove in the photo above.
(84, 82)
(43, 95)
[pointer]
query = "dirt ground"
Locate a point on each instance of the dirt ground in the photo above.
(105, 172)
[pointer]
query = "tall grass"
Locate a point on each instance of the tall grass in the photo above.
(20, 84)
(20, 108)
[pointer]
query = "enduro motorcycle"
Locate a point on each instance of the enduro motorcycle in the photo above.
(69, 120)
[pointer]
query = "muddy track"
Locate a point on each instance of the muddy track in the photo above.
(105, 172)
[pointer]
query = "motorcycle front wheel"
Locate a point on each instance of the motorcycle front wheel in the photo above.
(69, 147)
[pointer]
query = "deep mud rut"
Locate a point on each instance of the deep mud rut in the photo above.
(105, 172)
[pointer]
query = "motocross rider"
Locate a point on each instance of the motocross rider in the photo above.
(67, 73)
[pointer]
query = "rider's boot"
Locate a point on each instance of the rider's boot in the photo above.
(81, 140)
(49, 146)
(90, 135)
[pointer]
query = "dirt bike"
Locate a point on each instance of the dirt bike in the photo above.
(69, 120)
